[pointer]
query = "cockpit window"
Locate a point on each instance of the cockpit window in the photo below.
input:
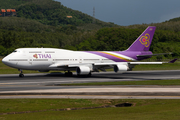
(15, 51)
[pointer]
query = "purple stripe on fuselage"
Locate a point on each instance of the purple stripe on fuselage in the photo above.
(115, 59)
(128, 54)
(133, 54)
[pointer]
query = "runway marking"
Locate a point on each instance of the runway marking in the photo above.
(50, 81)
(103, 90)
(88, 97)
(4, 83)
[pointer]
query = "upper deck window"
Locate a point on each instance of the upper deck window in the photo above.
(49, 52)
(34, 51)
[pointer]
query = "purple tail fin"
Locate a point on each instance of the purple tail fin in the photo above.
(143, 42)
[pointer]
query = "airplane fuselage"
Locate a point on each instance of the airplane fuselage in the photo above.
(42, 58)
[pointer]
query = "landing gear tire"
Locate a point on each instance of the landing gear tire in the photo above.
(21, 75)
(89, 75)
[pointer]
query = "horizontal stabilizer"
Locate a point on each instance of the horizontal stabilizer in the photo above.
(154, 54)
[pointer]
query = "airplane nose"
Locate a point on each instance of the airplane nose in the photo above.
(5, 60)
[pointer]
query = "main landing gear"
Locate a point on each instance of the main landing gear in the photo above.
(21, 74)
(69, 74)
(89, 75)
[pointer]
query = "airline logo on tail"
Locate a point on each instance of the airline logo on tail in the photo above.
(145, 40)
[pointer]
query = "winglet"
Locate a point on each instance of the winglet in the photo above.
(172, 61)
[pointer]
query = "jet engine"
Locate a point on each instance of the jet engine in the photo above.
(121, 68)
(83, 70)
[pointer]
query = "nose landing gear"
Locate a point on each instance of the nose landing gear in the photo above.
(21, 74)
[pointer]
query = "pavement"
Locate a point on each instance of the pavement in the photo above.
(49, 86)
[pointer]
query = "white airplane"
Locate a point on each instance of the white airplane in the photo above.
(83, 62)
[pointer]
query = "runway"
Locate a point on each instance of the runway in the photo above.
(59, 78)
(45, 86)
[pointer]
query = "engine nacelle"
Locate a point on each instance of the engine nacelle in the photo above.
(83, 70)
(121, 68)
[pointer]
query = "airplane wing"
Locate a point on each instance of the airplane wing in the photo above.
(86, 68)
(57, 65)
(138, 63)
(135, 63)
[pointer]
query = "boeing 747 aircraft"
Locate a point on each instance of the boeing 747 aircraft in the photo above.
(83, 62)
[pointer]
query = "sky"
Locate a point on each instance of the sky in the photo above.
(127, 12)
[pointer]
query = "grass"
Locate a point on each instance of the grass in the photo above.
(141, 109)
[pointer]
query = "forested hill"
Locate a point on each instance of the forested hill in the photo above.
(50, 12)
(174, 19)
(44, 23)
